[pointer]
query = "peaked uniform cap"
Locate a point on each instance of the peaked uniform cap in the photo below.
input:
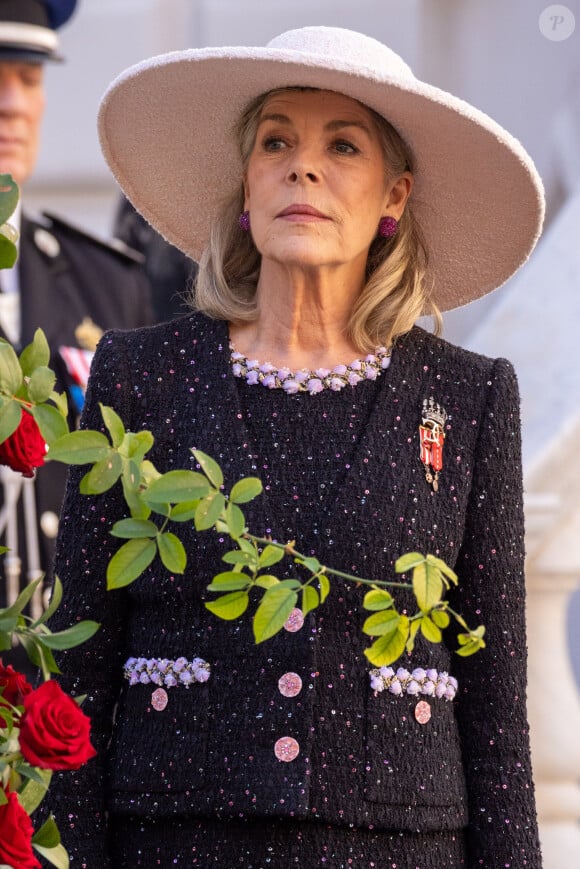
(166, 127)
(28, 29)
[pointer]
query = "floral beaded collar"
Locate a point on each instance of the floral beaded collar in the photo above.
(311, 381)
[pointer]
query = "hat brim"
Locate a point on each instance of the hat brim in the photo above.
(166, 130)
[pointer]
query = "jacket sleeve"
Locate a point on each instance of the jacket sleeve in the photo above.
(84, 548)
(492, 684)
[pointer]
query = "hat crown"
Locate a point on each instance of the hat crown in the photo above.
(343, 47)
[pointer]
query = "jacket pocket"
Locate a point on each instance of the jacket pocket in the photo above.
(408, 762)
(160, 751)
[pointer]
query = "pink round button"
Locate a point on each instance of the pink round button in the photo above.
(422, 712)
(290, 684)
(294, 621)
(286, 749)
(159, 699)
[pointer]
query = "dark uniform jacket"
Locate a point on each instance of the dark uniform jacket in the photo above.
(363, 759)
(74, 287)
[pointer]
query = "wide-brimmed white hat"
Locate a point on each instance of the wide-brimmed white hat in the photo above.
(166, 128)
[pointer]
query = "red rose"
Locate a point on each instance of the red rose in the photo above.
(16, 838)
(13, 686)
(54, 731)
(25, 449)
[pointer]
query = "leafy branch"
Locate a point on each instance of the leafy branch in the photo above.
(157, 500)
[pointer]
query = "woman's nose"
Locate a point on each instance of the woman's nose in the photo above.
(303, 167)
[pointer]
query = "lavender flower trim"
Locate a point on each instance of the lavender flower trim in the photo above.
(310, 381)
(161, 671)
(427, 683)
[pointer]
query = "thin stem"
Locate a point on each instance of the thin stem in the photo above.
(340, 573)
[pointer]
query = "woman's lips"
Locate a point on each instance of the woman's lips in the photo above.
(302, 213)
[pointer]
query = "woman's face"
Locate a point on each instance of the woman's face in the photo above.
(316, 184)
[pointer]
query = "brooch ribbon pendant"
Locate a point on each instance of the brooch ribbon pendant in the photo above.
(432, 437)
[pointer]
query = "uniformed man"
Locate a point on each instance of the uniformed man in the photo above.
(65, 281)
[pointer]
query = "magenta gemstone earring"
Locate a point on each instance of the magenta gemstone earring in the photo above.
(244, 221)
(388, 227)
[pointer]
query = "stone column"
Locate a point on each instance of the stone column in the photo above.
(553, 575)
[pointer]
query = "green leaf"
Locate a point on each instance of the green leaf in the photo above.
(8, 250)
(246, 490)
(445, 570)
(39, 655)
(430, 630)
(60, 402)
(388, 648)
(381, 623)
(312, 564)
(377, 599)
(10, 371)
(210, 468)
(238, 556)
(471, 643)
(275, 607)
(21, 601)
(310, 599)
(408, 561)
(137, 444)
(114, 425)
(229, 580)
(79, 448)
(9, 196)
(209, 511)
(266, 580)
(427, 586)
(440, 618)
(184, 512)
(48, 835)
(55, 599)
(270, 555)
(133, 528)
(36, 354)
(413, 628)
(176, 486)
(41, 384)
(103, 475)
(235, 521)
(324, 586)
(32, 793)
(229, 606)
(57, 857)
(172, 552)
(10, 416)
(129, 562)
(130, 480)
(51, 422)
(71, 637)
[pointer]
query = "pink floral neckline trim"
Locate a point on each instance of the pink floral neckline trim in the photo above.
(311, 381)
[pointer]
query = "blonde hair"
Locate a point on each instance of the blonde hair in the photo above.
(395, 293)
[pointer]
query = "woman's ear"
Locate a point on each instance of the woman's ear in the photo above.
(398, 193)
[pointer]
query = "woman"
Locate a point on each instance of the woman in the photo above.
(332, 198)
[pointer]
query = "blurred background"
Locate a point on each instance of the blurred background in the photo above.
(518, 61)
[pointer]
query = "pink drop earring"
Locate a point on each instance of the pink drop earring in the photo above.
(244, 221)
(388, 227)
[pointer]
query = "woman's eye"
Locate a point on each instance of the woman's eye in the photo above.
(273, 143)
(344, 147)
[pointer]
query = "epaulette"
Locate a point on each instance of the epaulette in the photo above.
(112, 245)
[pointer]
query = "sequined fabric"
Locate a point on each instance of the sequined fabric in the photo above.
(343, 476)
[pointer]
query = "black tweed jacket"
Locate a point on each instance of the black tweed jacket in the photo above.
(363, 759)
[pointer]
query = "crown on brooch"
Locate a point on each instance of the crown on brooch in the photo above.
(433, 413)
